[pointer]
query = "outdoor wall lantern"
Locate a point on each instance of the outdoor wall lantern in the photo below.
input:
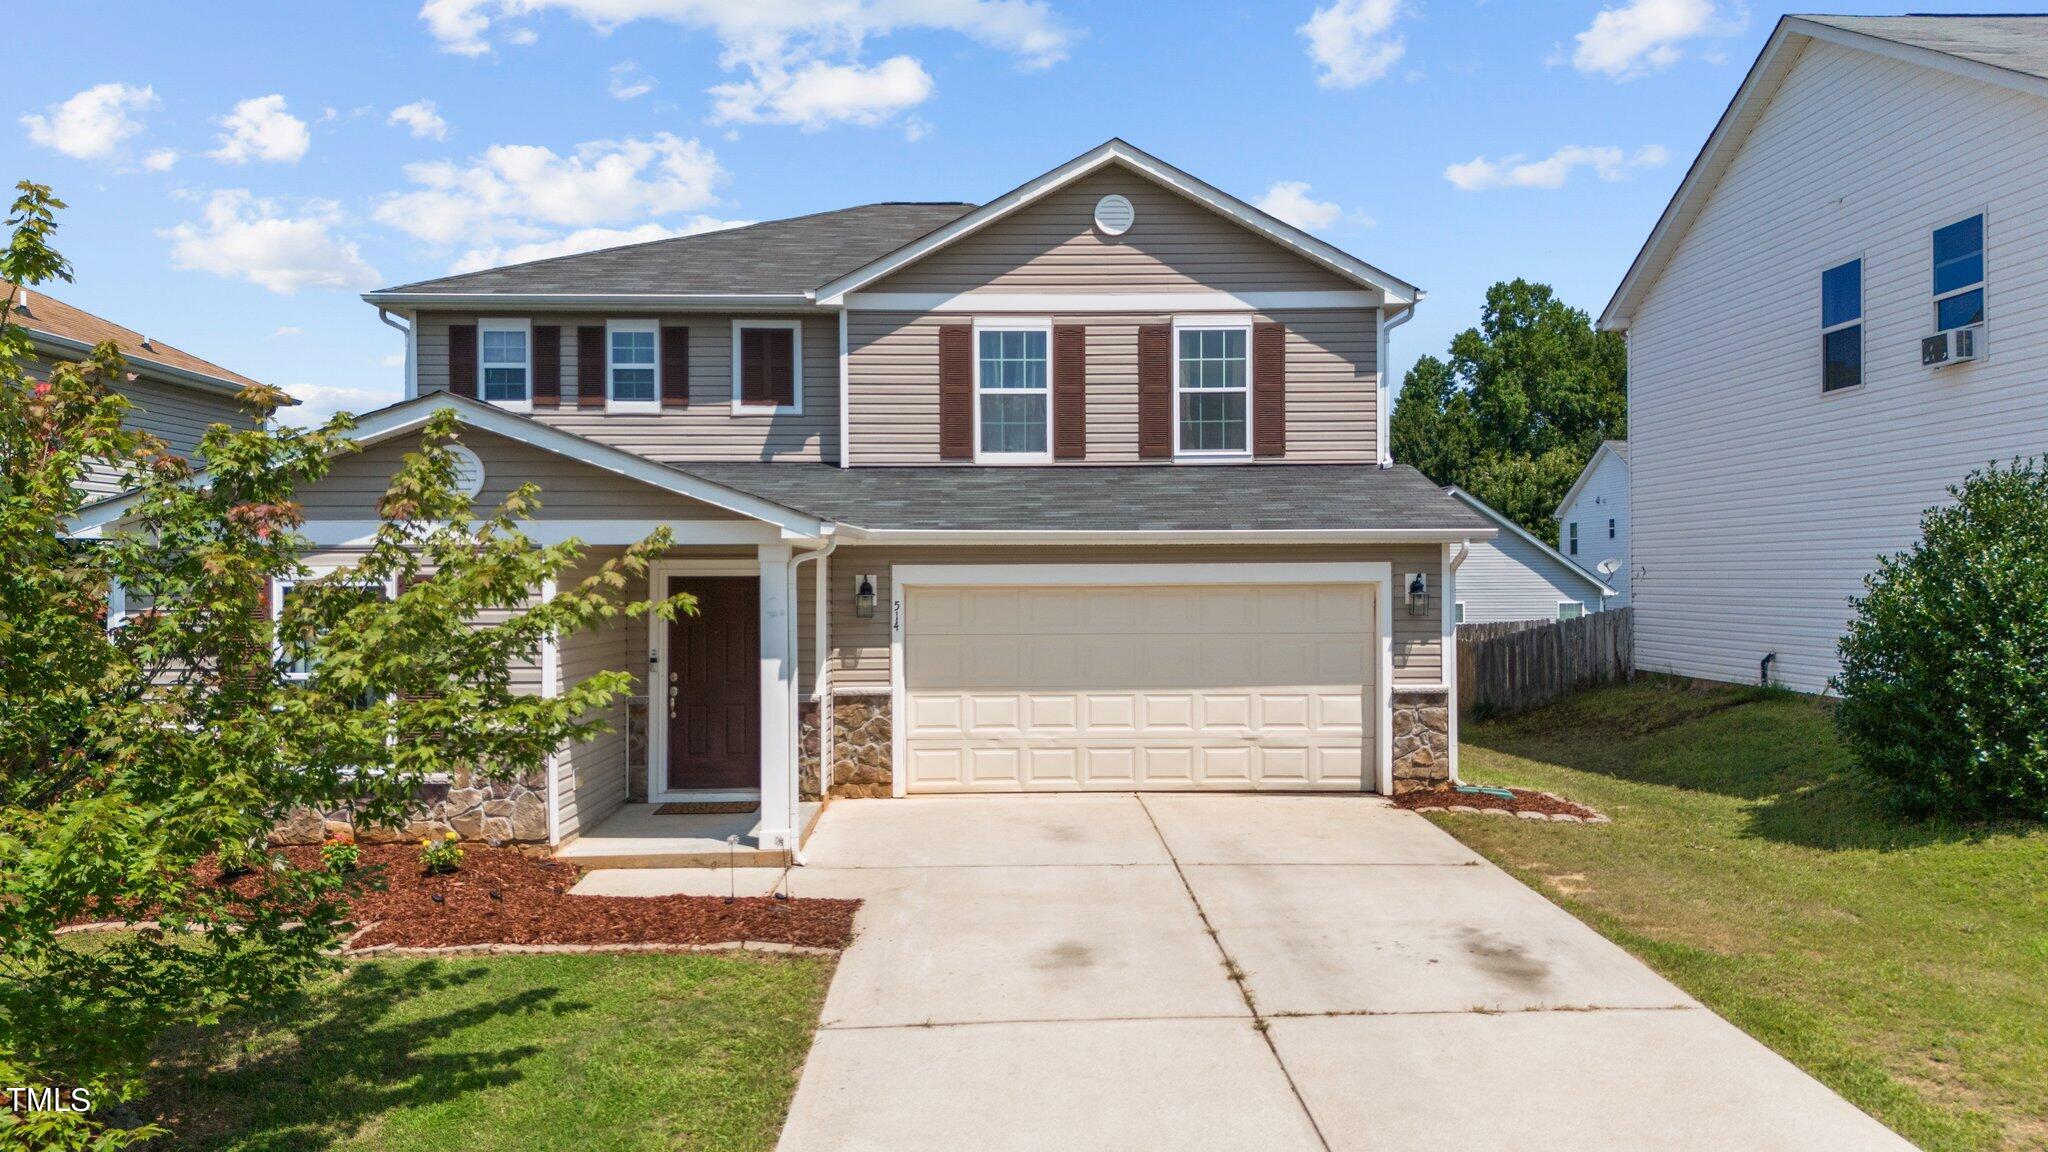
(864, 596)
(1418, 594)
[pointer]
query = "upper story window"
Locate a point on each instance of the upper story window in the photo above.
(1572, 532)
(767, 366)
(1212, 391)
(1959, 274)
(1610, 527)
(505, 362)
(1841, 326)
(630, 366)
(1013, 389)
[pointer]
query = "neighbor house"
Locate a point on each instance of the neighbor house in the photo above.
(1516, 577)
(1084, 488)
(1832, 323)
(1592, 519)
(173, 394)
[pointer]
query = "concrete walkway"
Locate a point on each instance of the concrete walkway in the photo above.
(1058, 972)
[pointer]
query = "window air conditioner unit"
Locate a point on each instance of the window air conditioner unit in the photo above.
(1955, 346)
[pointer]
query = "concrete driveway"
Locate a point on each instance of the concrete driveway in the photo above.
(1039, 972)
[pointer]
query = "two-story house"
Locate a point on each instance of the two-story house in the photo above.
(1592, 519)
(1084, 488)
(1831, 324)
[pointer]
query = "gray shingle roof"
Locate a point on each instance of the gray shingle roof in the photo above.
(2017, 43)
(1618, 447)
(1245, 498)
(776, 257)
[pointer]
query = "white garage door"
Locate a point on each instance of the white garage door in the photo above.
(1210, 687)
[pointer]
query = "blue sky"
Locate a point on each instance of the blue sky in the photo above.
(238, 172)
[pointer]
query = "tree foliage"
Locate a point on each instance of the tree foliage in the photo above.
(1520, 406)
(1944, 677)
(136, 753)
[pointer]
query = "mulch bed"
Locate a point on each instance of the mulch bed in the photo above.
(1532, 805)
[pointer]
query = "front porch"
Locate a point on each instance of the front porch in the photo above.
(641, 836)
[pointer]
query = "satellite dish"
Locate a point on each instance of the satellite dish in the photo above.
(1608, 567)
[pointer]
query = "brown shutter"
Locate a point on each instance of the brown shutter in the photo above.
(590, 366)
(547, 367)
(781, 358)
(956, 392)
(753, 354)
(1155, 391)
(1069, 392)
(675, 367)
(462, 359)
(256, 661)
(1269, 390)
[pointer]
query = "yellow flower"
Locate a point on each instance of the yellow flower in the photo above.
(453, 836)
(423, 841)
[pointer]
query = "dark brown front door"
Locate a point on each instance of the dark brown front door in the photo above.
(714, 685)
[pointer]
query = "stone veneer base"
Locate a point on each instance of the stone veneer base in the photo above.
(497, 811)
(862, 744)
(1422, 739)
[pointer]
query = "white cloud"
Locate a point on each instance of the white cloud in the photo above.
(1352, 41)
(1290, 201)
(524, 193)
(584, 240)
(316, 402)
(91, 124)
(160, 160)
(628, 82)
(421, 119)
(1608, 163)
(394, 360)
(240, 236)
(260, 128)
(1644, 35)
(289, 330)
(819, 94)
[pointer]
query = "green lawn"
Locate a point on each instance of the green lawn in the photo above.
(556, 1052)
(1904, 964)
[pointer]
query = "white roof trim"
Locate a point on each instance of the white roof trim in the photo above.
(648, 301)
(855, 534)
(141, 365)
(1400, 293)
(1758, 88)
(410, 415)
(1586, 474)
(1570, 565)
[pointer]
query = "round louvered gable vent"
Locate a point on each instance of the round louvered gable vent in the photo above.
(1114, 215)
(469, 471)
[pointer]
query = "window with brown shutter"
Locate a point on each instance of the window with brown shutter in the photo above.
(675, 367)
(956, 392)
(1070, 392)
(767, 367)
(590, 366)
(1269, 390)
(462, 359)
(547, 366)
(1155, 391)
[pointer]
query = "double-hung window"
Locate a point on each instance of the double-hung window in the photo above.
(301, 669)
(1570, 609)
(1013, 394)
(1841, 326)
(1212, 390)
(1959, 274)
(1573, 534)
(505, 362)
(630, 368)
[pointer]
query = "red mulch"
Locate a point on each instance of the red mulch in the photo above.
(1524, 801)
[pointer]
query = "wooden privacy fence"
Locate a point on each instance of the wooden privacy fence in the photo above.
(1512, 667)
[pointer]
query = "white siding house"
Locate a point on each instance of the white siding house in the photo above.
(1515, 576)
(1592, 519)
(1907, 160)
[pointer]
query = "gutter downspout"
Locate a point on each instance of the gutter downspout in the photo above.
(796, 851)
(412, 379)
(1386, 420)
(1451, 648)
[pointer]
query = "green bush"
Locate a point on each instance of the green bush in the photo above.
(1944, 677)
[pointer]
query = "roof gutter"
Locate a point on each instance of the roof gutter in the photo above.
(1386, 413)
(627, 301)
(51, 342)
(1167, 536)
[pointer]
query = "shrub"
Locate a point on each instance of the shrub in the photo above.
(340, 855)
(1944, 678)
(443, 855)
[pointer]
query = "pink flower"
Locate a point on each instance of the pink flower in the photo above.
(42, 388)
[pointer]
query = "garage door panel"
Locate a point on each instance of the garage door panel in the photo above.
(1177, 688)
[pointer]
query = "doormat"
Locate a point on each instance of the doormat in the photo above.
(707, 808)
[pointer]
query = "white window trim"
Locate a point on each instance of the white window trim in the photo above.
(1030, 324)
(278, 585)
(505, 324)
(796, 368)
(1571, 538)
(1984, 281)
(1863, 340)
(1458, 612)
(1563, 604)
(611, 402)
(1214, 324)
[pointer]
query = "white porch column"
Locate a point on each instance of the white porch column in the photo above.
(778, 681)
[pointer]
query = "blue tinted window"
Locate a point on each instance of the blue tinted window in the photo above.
(1841, 294)
(1959, 255)
(1842, 351)
(1960, 310)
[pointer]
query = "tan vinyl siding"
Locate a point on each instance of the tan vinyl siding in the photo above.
(1332, 385)
(707, 429)
(592, 774)
(859, 648)
(569, 490)
(1175, 245)
(176, 414)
